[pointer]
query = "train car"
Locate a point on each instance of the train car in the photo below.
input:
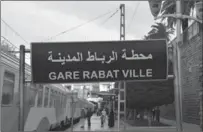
(47, 107)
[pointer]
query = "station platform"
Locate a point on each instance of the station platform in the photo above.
(96, 127)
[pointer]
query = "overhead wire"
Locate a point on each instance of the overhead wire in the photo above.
(13, 46)
(78, 26)
(110, 17)
(12, 29)
(4, 38)
(135, 11)
(68, 30)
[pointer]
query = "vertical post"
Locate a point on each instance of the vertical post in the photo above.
(125, 105)
(122, 22)
(1, 85)
(176, 67)
(83, 92)
(49, 98)
(201, 110)
(36, 98)
(122, 37)
(43, 95)
(72, 112)
(21, 87)
(118, 116)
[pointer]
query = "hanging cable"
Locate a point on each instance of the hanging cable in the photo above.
(4, 38)
(80, 25)
(10, 43)
(14, 31)
(110, 17)
(133, 15)
(14, 47)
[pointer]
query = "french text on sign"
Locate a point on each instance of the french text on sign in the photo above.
(101, 74)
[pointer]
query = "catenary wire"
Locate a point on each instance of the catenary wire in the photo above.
(135, 11)
(14, 31)
(78, 26)
(110, 17)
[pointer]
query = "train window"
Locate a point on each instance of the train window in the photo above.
(40, 92)
(46, 96)
(8, 88)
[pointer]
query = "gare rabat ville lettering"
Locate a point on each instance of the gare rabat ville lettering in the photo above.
(100, 74)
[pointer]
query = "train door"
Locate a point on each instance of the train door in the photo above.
(9, 99)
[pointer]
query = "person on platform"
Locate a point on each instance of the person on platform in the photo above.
(111, 119)
(153, 114)
(103, 117)
(107, 110)
(98, 112)
(83, 116)
(89, 115)
(158, 114)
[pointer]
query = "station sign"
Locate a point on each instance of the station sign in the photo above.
(100, 61)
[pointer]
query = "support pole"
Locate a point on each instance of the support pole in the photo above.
(21, 87)
(1, 85)
(118, 116)
(201, 110)
(72, 112)
(176, 66)
(122, 22)
(125, 105)
(123, 89)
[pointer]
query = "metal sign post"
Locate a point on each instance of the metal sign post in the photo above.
(21, 87)
(177, 80)
(201, 109)
(1, 85)
(118, 116)
(72, 105)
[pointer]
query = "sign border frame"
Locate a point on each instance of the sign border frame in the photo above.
(153, 80)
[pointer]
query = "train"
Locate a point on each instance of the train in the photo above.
(47, 106)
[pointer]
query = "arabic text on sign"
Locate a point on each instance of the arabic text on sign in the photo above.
(93, 57)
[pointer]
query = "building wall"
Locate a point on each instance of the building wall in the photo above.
(191, 61)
